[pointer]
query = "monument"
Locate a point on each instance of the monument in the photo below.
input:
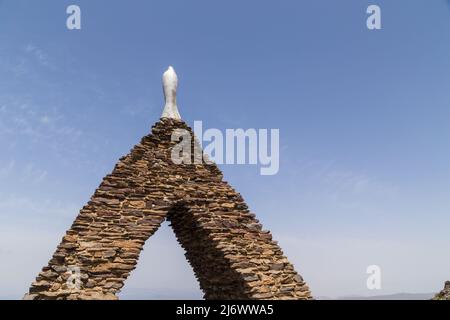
(232, 256)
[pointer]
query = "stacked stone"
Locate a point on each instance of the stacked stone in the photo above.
(231, 255)
(445, 293)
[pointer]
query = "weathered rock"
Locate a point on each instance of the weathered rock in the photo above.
(277, 266)
(445, 293)
(109, 253)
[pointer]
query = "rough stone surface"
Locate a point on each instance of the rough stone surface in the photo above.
(445, 293)
(231, 255)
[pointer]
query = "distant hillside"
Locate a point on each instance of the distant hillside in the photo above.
(395, 296)
(161, 294)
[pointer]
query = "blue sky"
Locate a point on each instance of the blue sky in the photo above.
(363, 118)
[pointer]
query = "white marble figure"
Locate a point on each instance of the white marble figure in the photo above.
(170, 84)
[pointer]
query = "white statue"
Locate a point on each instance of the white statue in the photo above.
(170, 84)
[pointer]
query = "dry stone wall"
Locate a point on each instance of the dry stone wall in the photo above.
(231, 255)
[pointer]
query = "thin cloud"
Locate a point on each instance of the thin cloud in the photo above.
(25, 60)
(45, 119)
(28, 173)
(22, 117)
(7, 170)
(40, 56)
(18, 208)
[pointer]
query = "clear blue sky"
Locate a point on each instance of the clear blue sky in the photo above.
(363, 117)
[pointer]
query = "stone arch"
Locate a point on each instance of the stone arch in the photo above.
(232, 256)
(217, 279)
(222, 270)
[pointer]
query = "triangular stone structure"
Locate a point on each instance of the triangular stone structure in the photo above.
(231, 255)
